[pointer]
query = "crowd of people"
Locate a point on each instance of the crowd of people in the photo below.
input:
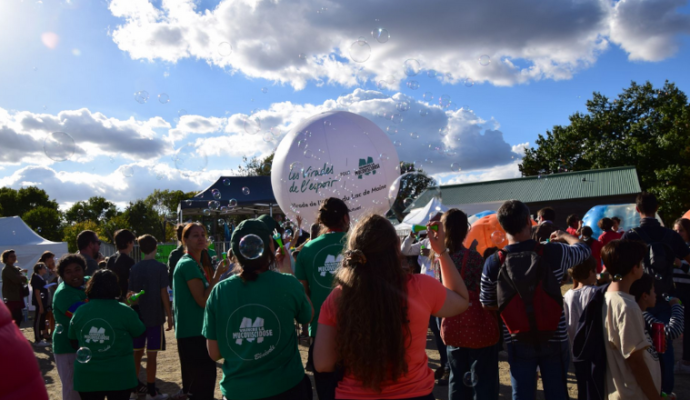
(367, 300)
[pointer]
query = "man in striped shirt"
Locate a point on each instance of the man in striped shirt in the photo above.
(553, 356)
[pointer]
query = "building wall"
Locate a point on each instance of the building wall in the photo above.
(580, 207)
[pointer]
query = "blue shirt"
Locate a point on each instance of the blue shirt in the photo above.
(559, 257)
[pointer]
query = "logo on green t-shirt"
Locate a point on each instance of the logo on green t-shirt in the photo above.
(326, 263)
(98, 334)
(330, 265)
(253, 331)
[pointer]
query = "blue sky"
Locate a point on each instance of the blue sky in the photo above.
(107, 51)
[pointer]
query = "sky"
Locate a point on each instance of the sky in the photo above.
(116, 98)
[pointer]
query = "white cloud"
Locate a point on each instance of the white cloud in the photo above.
(289, 42)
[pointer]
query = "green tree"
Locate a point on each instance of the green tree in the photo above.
(95, 209)
(70, 232)
(257, 166)
(644, 127)
(409, 189)
(44, 221)
(112, 225)
(144, 219)
(18, 202)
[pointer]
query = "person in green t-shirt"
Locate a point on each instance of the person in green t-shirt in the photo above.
(317, 263)
(68, 297)
(102, 330)
(193, 281)
(249, 322)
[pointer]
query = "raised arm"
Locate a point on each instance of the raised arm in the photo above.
(457, 298)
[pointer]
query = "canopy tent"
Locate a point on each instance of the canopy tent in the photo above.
(420, 216)
(253, 194)
(27, 244)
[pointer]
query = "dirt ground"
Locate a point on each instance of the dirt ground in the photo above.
(170, 381)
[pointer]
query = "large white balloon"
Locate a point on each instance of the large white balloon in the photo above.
(334, 154)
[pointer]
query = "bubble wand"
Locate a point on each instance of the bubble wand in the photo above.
(133, 298)
(278, 238)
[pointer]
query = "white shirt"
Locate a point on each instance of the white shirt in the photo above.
(415, 249)
(574, 302)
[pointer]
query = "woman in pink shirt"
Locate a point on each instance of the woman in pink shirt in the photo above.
(606, 226)
(373, 326)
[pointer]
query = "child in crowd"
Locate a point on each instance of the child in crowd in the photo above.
(576, 299)
(594, 245)
(40, 301)
(632, 371)
(645, 295)
(606, 226)
(617, 225)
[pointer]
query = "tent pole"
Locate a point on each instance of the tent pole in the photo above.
(270, 210)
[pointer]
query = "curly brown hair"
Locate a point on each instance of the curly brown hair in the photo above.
(372, 318)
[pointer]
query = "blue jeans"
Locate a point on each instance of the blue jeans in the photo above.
(662, 312)
(434, 324)
(460, 360)
(553, 360)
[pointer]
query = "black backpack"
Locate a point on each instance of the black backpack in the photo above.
(659, 262)
(529, 296)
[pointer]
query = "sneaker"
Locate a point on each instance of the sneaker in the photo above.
(134, 396)
(42, 343)
(158, 396)
(682, 369)
(442, 376)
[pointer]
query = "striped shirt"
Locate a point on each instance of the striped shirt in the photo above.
(558, 256)
(681, 275)
(673, 329)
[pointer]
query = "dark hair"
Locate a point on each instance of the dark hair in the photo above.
(188, 230)
(45, 256)
(69, 259)
(621, 256)
(488, 252)
(179, 229)
(373, 300)
(587, 231)
(581, 271)
(332, 212)
(85, 238)
(5, 254)
(646, 203)
(513, 216)
(123, 237)
(547, 213)
(249, 270)
(103, 285)
(685, 223)
(147, 243)
(455, 225)
(605, 224)
(572, 220)
(102, 264)
(314, 231)
(38, 267)
(543, 231)
(642, 286)
(616, 219)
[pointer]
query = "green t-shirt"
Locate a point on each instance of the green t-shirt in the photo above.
(65, 302)
(106, 327)
(253, 323)
(189, 317)
(316, 264)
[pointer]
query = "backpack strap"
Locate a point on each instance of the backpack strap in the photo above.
(501, 257)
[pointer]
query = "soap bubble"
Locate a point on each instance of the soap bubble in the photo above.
(252, 126)
(423, 112)
(470, 379)
(428, 96)
(383, 157)
(617, 278)
(431, 73)
(469, 82)
(141, 96)
(658, 277)
(80, 212)
(417, 186)
(484, 60)
(163, 98)
(181, 113)
(190, 158)
(216, 194)
(225, 49)
(214, 205)
(498, 237)
(188, 202)
(403, 106)
(308, 154)
(39, 229)
(127, 171)
(245, 191)
(411, 67)
(267, 137)
(360, 51)
(444, 101)
(221, 222)
(414, 85)
(326, 123)
(455, 167)
(84, 355)
(59, 329)
(206, 212)
(251, 247)
(381, 35)
(226, 181)
(264, 90)
(232, 203)
(414, 135)
(59, 146)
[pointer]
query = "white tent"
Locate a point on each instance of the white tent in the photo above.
(420, 216)
(27, 244)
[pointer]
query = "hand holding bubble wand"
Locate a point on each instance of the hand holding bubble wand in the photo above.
(133, 298)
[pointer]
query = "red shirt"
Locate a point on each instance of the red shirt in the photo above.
(608, 236)
(572, 231)
(425, 296)
(596, 246)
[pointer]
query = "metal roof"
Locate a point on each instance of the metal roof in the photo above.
(530, 189)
